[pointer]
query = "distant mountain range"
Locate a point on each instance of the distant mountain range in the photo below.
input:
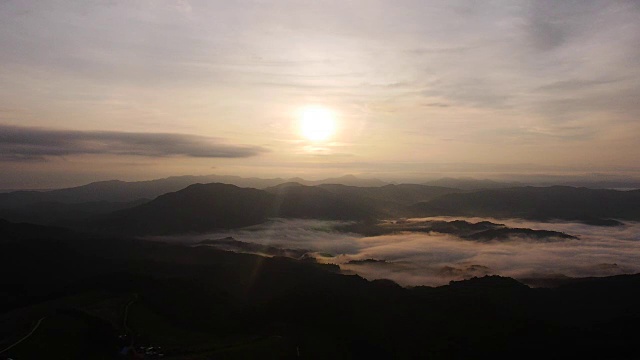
(126, 207)
(25, 231)
(485, 184)
(471, 184)
(205, 207)
(118, 191)
(125, 191)
(60, 213)
(538, 203)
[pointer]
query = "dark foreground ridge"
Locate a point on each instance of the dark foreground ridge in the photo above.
(202, 303)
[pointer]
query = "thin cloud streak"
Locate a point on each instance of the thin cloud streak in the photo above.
(18, 143)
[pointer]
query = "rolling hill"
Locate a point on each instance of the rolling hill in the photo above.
(538, 203)
(205, 207)
(126, 191)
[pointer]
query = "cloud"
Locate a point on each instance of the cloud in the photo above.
(20, 143)
(317, 235)
(435, 259)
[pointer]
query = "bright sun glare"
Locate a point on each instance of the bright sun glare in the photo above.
(317, 123)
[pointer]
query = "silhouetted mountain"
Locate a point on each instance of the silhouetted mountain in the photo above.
(123, 191)
(348, 180)
(480, 231)
(588, 220)
(56, 213)
(25, 231)
(404, 194)
(381, 202)
(369, 200)
(509, 233)
(456, 227)
(200, 208)
(491, 283)
(366, 261)
(470, 183)
(540, 203)
(197, 208)
(314, 202)
(206, 207)
(605, 184)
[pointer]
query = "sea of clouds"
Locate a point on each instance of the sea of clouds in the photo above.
(433, 259)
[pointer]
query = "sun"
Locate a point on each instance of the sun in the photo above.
(317, 123)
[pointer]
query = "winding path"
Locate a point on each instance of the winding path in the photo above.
(126, 317)
(26, 336)
(126, 312)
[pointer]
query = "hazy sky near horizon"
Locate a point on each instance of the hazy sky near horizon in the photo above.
(139, 89)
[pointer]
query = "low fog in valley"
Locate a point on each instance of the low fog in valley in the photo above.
(412, 258)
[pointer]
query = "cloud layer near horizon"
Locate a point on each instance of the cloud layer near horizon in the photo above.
(435, 259)
(28, 143)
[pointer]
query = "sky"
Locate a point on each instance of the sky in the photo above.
(141, 89)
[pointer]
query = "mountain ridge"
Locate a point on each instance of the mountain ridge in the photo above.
(538, 203)
(125, 191)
